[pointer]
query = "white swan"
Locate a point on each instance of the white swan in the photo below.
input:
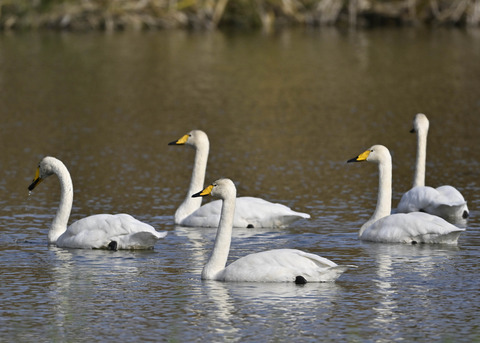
(414, 227)
(445, 201)
(250, 211)
(101, 231)
(281, 265)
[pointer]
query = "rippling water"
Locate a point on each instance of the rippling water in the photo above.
(283, 114)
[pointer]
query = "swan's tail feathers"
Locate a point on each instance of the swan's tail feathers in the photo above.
(161, 234)
(456, 207)
(140, 240)
(448, 238)
(452, 237)
(290, 218)
(333, 273)
(303, 215)
(453, 208)
(456, 214)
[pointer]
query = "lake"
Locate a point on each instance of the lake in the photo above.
(284, 112)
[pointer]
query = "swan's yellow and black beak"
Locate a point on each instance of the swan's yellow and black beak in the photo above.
(181, 141)
(36, 181)
(362, 157)
(207, 191)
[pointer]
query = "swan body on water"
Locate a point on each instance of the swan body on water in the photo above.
(280, 265)
(250, 211)
(101, 231)
(445, 201)
(414, 227)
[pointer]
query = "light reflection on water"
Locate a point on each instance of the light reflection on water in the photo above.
(395, 289)
(283, 114)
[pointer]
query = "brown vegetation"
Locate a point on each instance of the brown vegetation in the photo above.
(113, 15)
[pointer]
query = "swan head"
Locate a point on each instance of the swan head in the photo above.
(420, 123)
(194, 139)
(376, 153)
(222, 188)
(45, 168)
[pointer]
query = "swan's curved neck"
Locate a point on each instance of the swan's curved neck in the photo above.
(384, 199)
(221, 248)
(419, 176)
(59, 223)
(189, 205)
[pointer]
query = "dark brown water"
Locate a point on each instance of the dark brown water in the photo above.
(283, 114)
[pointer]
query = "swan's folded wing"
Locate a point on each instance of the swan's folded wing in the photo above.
(206, 216)
(451, 196)
(417, 199)
(139, 240)
(249, 212)
(426, 198)
(99, 230)
(412, 227)
(282, 265)
(258, 212)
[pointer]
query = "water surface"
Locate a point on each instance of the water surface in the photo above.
(283, 113)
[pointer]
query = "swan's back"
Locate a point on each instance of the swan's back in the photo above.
(262, 213)
(282, 265)
(249, 212)
(445, 201)
(415, 227)
(98, 231)
(453, 195)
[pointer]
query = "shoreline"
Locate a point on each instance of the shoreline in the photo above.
(117, 15)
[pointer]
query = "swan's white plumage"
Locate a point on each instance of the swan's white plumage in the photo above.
(414, 227)
(93, 232)
(261, 213)
(445, 201)
(411, 227)
(250, 211)
(281, 265)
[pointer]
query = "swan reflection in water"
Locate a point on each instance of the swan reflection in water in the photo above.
(278, 304)
(406, 273)
(98, 278)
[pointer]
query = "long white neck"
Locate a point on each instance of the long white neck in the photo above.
(59, 223)
(190, 205)
(419, 176)
(384, 199)
(218, 259)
